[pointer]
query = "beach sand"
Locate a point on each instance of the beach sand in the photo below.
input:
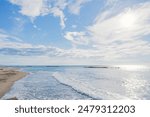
(7, 77)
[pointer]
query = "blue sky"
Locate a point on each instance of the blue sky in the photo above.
(58, 32)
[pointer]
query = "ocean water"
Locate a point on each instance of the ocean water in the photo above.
(82, 82)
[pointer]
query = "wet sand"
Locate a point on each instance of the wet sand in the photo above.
(7, 77)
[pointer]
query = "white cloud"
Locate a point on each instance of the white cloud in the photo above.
(127, 28)
(58, 13)
(62, 4)
(11, 46)
(7, 37)
(35, 8)
(77, 37)
(3, 36)
(76, 6)
(57, 55)
(31, 8)
(111, 2)
(113, 36)
(121, 35)
(130, 24)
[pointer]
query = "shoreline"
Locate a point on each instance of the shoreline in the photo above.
(8, 76)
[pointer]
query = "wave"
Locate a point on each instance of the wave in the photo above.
(85, 88)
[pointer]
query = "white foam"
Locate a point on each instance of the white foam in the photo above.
(85, 87)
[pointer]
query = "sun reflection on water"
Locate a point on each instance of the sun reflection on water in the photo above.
(135, 87)
(134, 82)
(133, 67)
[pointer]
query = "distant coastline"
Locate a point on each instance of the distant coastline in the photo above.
(103, 67)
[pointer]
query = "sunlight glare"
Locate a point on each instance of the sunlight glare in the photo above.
(133, 67)
(128, 20)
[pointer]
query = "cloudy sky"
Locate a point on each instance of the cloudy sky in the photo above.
(60, 32)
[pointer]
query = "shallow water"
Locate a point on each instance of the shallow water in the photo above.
(66, 82)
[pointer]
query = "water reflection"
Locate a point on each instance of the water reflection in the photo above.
(136, 85)
(133, 67)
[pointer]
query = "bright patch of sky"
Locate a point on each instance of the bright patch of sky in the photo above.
(74, 32)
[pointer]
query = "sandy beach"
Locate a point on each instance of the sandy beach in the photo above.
(7, 77)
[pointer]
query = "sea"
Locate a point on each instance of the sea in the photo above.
(117, 82)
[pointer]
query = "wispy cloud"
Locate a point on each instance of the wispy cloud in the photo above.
(59, 13)
(129, 26)
(116, 33)
(111, 2)
(76, 6)
(11, 46)
(77, 37)
(7, 37)
(19, 24)
(36, 8)
(120, 35)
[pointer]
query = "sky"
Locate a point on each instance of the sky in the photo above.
(74, 32)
